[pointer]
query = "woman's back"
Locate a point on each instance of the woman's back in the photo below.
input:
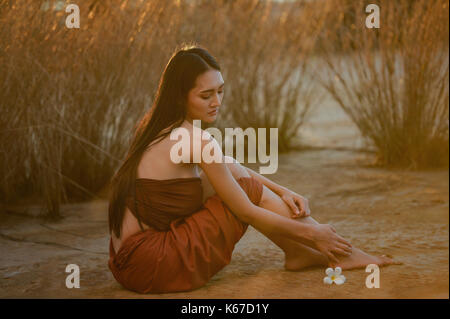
(155, 164)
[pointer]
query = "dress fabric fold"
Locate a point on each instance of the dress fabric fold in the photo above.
(188, 241)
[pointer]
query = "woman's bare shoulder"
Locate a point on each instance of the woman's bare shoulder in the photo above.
(191, 134)
(157, 161)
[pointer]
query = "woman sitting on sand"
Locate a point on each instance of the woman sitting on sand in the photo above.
(173, 228)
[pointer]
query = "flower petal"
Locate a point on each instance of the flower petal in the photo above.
(339, 280)
(329, 271)
(338, 270)
(327, 280)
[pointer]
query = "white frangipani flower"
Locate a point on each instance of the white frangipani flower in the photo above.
(334, 276)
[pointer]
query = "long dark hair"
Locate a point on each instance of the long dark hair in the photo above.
(168, 111)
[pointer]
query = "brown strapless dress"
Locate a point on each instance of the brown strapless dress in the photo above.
(188, 241)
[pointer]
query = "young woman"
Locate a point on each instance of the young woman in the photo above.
(174, 225)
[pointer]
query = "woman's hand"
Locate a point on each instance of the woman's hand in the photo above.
(298, 204)
(330, 243)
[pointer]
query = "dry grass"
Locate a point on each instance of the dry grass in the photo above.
(273, 82)
(394, 81)
(70, 98)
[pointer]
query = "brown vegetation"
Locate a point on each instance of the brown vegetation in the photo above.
(393, 82)
(70, 98)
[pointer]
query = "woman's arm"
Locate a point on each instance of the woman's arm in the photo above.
(321, 237)
(298, 204)
(274, 187)
(237, 200)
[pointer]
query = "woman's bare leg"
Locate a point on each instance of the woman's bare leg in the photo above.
(300, 256)
(297, 255)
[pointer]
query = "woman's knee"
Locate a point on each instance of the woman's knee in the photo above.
(273, 202)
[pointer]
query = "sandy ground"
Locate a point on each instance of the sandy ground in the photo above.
(405, 214)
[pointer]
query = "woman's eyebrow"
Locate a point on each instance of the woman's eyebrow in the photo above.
(204, 91)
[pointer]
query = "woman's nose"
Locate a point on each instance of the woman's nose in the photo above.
(216, 100)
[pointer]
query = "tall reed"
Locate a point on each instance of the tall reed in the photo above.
(393, 82)
(70, 98)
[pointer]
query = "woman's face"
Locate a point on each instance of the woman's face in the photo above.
(205, 98)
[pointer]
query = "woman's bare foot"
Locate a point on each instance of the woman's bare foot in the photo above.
(304, 258)
(359, 259)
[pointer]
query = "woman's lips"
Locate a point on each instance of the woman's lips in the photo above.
(213, 112)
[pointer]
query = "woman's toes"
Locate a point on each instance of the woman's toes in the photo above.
(388, 260)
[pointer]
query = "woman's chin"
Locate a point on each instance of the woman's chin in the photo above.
(209, 119)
